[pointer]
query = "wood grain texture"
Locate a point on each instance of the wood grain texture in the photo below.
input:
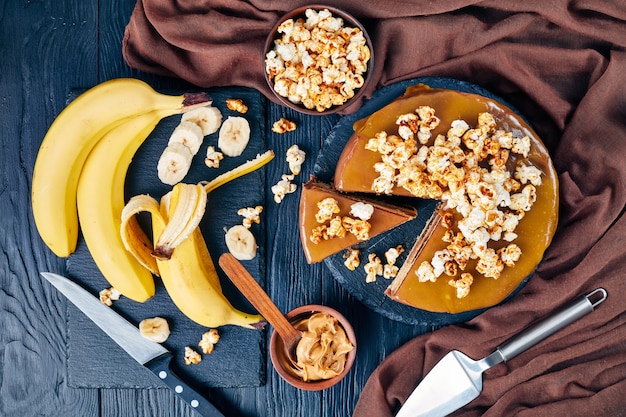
(50, 48)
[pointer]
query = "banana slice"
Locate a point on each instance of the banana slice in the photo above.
(174, 163)
(156, 329)
(241, 243)
(209, 119)
(234, 136)
(188, 134)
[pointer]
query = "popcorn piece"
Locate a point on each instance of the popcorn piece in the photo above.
(362, 210)
(359, 228)
(462, 284)
(318, 234)
(283, 187)
(335, 228)
(326, 209)
(510, 254)
(283, 125)
(392, 254)
(213, 157)
(373, 267)
(390, 271)
(208, 341)
(528, 173)
(521, 146)
(191, 356)
(295, 159)
(250, 215)
(352, 261)
(236, 104)
(108, 295)
(425, 272)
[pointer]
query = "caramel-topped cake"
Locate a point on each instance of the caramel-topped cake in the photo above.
(495, 181)
(331, 221)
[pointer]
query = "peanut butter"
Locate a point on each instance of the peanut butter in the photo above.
(324, 347)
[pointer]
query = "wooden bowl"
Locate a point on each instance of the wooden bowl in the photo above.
(281, 363)
(348, 21)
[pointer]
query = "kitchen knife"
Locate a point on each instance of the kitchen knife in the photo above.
(457, 379)
(149, 354)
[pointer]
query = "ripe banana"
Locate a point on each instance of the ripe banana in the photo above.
(72, 136)
(100, 201)
(234, 136)
(189, 275)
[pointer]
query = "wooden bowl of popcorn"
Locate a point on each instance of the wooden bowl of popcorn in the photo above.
(318, 59)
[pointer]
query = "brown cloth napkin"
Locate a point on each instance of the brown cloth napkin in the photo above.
(562, 64)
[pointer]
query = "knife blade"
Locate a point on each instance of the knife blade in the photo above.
(149, 354)
(456, 379)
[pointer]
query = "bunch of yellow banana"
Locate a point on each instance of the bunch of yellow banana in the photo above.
(183, 260)
(73, 135)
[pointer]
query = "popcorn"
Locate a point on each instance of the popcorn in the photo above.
(108, 295)
(462, 284)
(283, 125)
(425, 272)
(326, 209)
(250, 215)
(467, 170)
(295, 159)
(283, 187)
(521, 146)
(373, 268)
(362, 210)
(390, 270)
(208, 341)
(213, 157)
(352, 261)
(359, 228)
(236, 104)
(191, 356)
(317, 62)
(528, 173)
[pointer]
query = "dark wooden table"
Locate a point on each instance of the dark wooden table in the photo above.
(48, 49)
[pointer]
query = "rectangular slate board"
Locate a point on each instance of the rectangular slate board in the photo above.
(94, 360)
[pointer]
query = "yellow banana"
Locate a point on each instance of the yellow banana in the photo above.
(189, 275)
(71, 137)
(100, 200)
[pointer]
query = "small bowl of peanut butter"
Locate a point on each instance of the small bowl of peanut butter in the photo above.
(325, 353)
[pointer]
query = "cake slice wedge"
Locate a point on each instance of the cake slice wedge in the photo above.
(329, 221)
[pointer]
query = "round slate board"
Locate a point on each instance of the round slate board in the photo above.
(372, 294)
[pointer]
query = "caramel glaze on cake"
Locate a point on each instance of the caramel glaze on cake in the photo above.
(384, 218)
(355, 173)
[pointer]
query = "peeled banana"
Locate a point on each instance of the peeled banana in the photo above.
(100, 201)
(189, 274)
(71, 137)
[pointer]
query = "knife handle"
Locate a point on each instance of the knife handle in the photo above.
(538, 332)
(161, 367)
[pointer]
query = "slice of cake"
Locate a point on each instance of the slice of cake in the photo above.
(490, 171)
(331, 221)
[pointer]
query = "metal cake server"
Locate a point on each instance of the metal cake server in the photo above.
(457, 379)
(149, 354)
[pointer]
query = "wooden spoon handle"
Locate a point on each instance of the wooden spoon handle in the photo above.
(251, 289)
